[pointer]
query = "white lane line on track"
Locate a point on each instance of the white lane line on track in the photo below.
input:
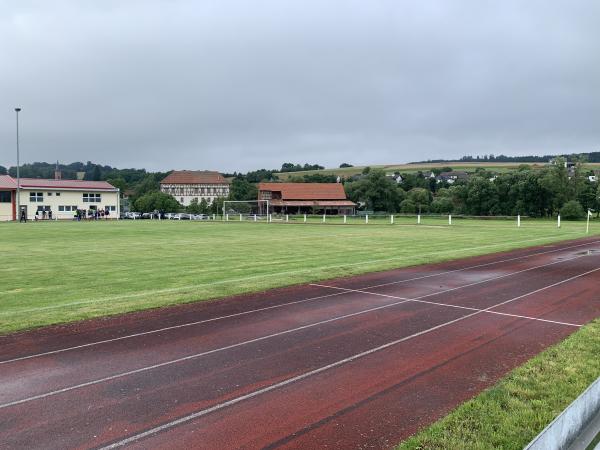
(305, 375)
(259, 276)
(262, 338)
(229, 316)
(448, 305)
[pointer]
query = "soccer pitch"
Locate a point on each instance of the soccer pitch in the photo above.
(56, 272)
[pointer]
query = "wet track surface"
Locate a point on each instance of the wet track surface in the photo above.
(361, 362)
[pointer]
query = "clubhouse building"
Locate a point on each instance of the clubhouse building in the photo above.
(188, 185)
(306, 198)
(61, 197)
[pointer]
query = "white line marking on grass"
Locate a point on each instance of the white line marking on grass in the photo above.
(305, 375)
(262, 276)
(229, 316)
(251, 341)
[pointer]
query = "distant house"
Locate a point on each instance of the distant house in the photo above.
(452, 176)
(188, 185)
(302, 198)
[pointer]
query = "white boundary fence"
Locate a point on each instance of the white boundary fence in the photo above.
(379, 219)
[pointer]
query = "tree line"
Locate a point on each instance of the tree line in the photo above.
(536, 193)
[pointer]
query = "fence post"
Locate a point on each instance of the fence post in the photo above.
(519, 221)
(366, 218)
(304, 218)
(449, 219)
(323, 218)
(227, 217)
(287, 218)
(270, 217)
(240, 217)
(558, 223)
(214, 217)
(418, 219)
(392, 219)
(587, 226)
(344, 218)
(255, 217)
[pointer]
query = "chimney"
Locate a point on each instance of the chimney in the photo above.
(57, 172)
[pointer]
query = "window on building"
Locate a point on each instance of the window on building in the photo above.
(58, 194)
(36, 197)
(92, 198)
(5, 197)
(66, 208)
(49, 194)
(110, 208)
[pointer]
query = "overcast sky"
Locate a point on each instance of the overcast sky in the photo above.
(239, 85)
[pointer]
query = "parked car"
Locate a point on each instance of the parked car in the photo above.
(133, 215)
(182, 216)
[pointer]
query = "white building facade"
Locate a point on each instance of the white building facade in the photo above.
(187, 185)
(62, 198)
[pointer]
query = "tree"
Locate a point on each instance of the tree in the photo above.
(407, 206)
(204, 208)
(344, 165)
(241, 189)
(147, 185)
(420, 197)
(194, 207)
(119, 183)
(216, 207)
(442, 205)
(572, 210)
(376, 191)
(3, 170)
(96, 174)
(156, 201)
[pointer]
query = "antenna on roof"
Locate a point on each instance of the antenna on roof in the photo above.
(57, 172)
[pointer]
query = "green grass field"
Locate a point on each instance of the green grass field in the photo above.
(55, 272)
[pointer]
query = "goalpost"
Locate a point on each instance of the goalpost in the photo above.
(240, 210)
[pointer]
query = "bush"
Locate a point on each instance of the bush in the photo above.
(408, 206)
(442, 205)
(572, 210)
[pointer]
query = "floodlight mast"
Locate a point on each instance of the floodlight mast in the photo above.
(17, 111)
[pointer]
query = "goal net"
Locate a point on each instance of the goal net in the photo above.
(245, 209)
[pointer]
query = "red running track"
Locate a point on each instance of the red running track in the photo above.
(360, 362)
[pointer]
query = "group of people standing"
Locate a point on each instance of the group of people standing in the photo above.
(44, 215)
(91, 214)
(78, 214)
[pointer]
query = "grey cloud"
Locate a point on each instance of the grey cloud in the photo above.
(236, 85)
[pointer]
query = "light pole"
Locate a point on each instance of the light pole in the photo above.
(17, 110)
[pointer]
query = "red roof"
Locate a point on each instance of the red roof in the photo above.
(6, 182)
(27, 183)
(335, 203)
(194, 177)
(306, 191)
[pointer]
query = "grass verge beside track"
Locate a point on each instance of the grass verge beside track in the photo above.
(510, 414)
(55, 272)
